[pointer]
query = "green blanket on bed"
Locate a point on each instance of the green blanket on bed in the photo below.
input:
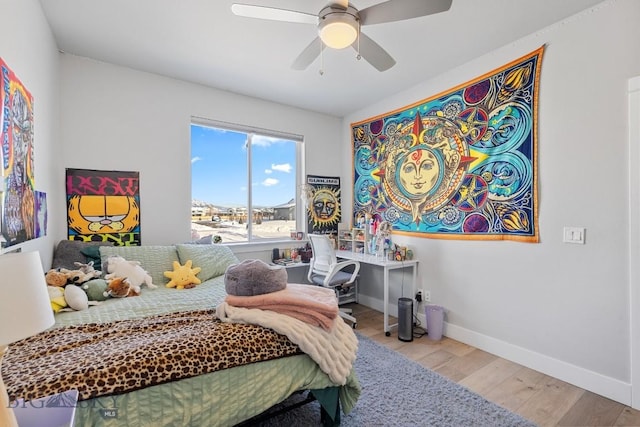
(221, 398)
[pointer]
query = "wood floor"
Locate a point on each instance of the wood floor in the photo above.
(540, 398)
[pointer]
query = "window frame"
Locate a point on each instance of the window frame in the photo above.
(250, 131)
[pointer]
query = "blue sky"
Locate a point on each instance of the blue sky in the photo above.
(219, 168)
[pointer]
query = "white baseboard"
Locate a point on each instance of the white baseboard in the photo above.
(597, 383)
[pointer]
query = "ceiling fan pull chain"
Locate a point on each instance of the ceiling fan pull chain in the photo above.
(358, 56)
(321, 59)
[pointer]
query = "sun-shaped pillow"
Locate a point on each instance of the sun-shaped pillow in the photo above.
(183, 276)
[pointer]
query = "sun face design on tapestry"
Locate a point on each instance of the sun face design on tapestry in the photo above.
(458, 165)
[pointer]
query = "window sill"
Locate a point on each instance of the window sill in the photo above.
(244, 247)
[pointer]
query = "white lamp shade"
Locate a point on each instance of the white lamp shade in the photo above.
(25, 309)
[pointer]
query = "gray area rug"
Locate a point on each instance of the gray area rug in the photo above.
(397, 391)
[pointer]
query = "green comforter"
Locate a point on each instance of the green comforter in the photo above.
(222, 398)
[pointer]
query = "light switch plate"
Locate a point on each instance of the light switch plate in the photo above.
(574, 235)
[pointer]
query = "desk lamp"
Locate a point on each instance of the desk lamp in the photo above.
(24, 310)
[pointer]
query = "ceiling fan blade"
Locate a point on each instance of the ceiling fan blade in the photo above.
(308, 55)
(273, 14)
(398, 10)
(374, 53)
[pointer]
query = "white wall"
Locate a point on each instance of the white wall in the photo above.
(562, 309)
(115, 118)
(28, 48)
(559, 308)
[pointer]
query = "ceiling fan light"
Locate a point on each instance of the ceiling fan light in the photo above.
(337, 32)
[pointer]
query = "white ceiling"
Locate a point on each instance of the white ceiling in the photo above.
(203, 42)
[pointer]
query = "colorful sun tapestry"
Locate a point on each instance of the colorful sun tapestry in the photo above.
(16, 167)
(458, 165)
(103, 206)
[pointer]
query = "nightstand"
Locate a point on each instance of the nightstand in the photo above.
(57, 410)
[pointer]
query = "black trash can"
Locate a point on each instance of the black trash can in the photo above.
(405, 319)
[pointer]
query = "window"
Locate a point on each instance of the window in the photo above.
(244, 183)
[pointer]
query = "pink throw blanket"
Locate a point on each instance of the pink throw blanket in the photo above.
(315, 305)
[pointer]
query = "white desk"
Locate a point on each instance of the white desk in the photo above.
(387, 266)
(296, 272)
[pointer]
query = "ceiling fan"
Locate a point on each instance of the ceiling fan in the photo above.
(339, 25)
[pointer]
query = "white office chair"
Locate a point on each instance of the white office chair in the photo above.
(325, 270)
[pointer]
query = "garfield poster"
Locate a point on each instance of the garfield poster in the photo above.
(103, 206)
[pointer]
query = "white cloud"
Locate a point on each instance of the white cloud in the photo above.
(268, 171)
(264, 141)
(285, 167)
(195, 159)
(269, 182)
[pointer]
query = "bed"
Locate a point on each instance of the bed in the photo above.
(223, 397)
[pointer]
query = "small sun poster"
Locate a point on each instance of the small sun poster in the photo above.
(323, 205)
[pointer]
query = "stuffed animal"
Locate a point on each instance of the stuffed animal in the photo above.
(95, 289)
(183, 276)
(120, 288)
(55, 277)
(73, 276)
(83, 273)
(134, 274)
(56, 298)
(76, 298)
(88, 269)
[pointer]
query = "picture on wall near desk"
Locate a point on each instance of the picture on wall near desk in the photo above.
(41, 214)
(103, 206)
(323, 204)
(16, 142)
(458, 165)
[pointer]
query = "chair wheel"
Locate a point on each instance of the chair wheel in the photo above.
(387, 334)
(355, 325)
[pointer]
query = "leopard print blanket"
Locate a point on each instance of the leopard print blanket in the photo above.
(100, 359)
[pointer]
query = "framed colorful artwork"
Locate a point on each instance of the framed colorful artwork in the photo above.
(458, 165)
(16, 142)
(323, 204)
(103, 206)
(41, 214)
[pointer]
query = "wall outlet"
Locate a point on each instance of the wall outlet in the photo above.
(426, 296)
